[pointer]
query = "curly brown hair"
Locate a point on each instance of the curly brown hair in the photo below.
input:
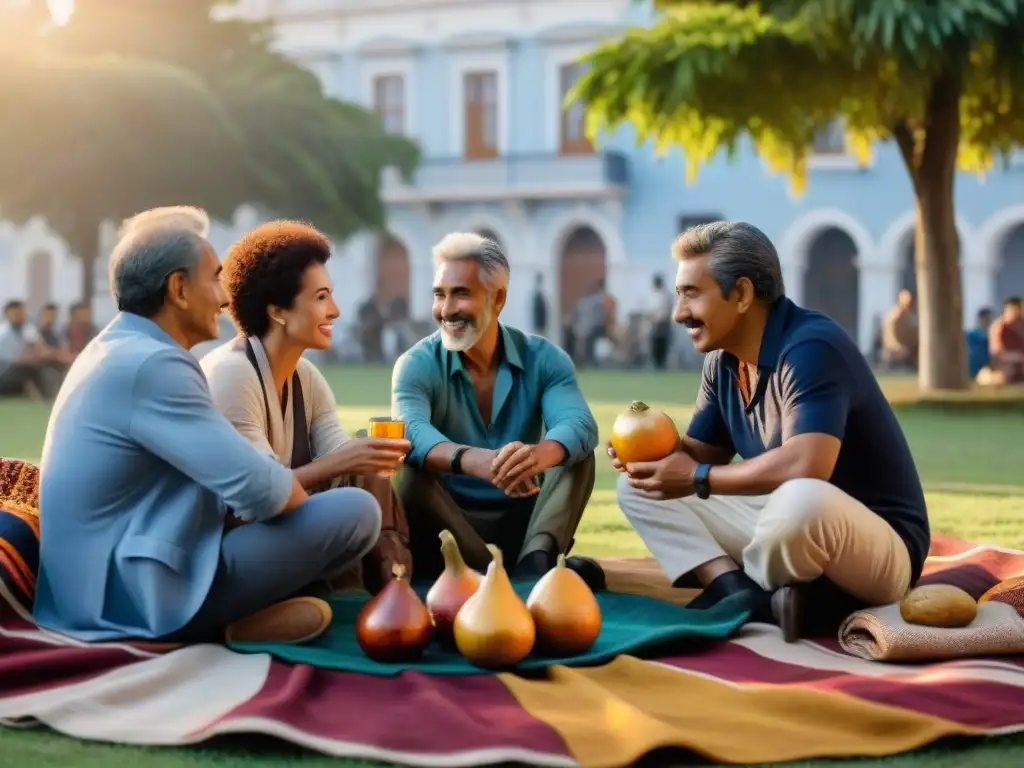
(265, 267)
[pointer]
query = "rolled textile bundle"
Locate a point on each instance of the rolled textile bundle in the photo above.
(881, 634)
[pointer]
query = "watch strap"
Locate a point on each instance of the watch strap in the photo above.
(456, 462)
(701, 481)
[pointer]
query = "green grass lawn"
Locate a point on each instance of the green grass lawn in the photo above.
(969, 456)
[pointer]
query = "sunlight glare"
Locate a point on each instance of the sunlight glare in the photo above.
(60, 10)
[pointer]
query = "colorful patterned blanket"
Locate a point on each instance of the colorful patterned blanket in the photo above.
(809, 699)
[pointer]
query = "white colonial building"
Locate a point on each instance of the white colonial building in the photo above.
(480, 83)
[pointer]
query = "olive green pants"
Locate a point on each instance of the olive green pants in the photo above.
(517, 526)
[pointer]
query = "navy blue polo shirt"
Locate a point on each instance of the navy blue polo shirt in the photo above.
(812, 378)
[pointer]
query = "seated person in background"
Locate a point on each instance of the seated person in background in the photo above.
(21, 355)
(1006, 343)
(46, 324)
(54, 350)
(139, 468)
(826, 508)
(502, 439)
(977, 343)
(900, 334)
(281, 299)
(80, 330)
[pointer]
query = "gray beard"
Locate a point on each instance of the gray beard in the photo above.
(469, 338)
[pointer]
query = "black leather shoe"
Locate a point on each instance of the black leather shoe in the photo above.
(732, 583)
(588, 570)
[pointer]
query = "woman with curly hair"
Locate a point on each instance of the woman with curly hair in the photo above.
(280, 298)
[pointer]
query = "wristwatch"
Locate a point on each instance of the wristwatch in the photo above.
(701, 483)
(456, 463)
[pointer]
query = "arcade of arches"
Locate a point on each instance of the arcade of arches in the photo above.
(1007, 277)
(831, 278)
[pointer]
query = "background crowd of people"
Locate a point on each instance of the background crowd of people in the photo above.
(34, 356)
(995, 344)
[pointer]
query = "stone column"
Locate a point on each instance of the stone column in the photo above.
(879, 284)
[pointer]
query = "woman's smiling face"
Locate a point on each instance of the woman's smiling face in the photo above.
(309, 322)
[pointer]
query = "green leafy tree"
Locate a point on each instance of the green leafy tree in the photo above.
(943, 79)
(139, 103)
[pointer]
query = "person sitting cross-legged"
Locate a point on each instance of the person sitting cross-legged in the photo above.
(825, 512)
(280, 296)
(139, 470)
(502, 439)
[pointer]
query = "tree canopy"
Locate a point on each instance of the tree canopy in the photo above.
(138, 103)
(943, 79)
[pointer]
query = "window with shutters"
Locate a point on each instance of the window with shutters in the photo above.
(574, 139)
(389, 102)
(480, 94)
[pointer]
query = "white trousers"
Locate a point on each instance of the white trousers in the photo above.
(805, 529)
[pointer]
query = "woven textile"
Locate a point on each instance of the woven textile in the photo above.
(19, 527)
(788, 701)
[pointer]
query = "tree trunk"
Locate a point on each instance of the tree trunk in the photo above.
(942, 355)
(942, 362)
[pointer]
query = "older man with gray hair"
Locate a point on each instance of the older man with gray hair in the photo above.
(139, 469)
(502, 439)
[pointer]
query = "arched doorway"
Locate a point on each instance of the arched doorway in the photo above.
(831, 279)
(1009, 277)
(40, 281)
(583, 264)
(394, 276)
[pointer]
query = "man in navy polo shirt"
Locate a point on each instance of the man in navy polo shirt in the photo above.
(825, 509)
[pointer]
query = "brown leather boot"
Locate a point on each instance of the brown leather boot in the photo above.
(293, 621)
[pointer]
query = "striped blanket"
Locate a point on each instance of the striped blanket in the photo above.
(809, 699)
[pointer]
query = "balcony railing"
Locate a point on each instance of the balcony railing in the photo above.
(519, 177)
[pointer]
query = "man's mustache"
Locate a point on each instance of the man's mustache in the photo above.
(692, 323)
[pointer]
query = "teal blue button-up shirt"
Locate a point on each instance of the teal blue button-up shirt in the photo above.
(536, 397)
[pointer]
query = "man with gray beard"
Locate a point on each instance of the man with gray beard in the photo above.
(502, 438)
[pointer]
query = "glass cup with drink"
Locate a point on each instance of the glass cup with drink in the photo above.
(389, 428)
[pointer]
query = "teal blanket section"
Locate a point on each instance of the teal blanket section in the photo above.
(631, 624)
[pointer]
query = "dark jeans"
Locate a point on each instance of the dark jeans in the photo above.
(266, 562)
(518, 526)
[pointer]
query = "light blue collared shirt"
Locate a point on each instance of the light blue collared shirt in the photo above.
(536, 397)
(138, 469)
